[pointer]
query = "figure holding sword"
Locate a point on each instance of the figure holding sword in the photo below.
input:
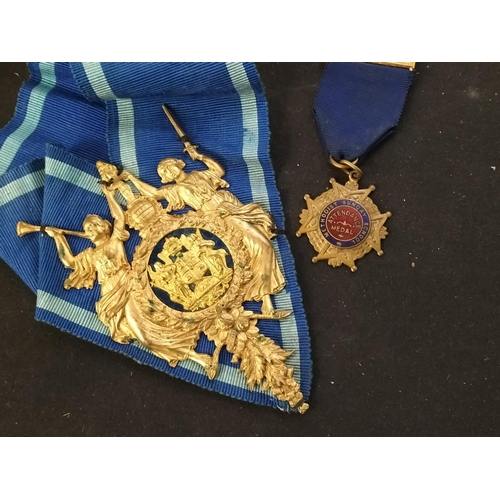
(200, 190)
(217, 286)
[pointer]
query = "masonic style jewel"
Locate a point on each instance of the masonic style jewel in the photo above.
(343, 223)
(192, 271)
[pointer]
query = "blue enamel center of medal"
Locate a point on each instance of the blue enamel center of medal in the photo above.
(352, 234)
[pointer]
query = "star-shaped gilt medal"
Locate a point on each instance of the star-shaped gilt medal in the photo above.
(343, 224)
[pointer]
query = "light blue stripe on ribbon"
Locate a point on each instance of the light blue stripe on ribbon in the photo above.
(68, 173)
(125, 108)
(227, 374)
(73, 313)
(288, 327)
(98, 80)
(69, 311)
(126, 134)
(250, 133)
(289, 333)
(21, 186)
(34, 110)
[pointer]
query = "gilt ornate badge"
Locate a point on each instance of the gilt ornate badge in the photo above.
(199, 260)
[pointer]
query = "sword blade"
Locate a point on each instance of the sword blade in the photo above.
(176, 126)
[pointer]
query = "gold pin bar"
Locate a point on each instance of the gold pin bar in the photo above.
(407, 65)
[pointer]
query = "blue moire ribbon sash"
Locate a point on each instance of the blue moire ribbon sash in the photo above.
(70, 115)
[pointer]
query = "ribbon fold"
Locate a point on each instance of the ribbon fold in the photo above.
(71, 115)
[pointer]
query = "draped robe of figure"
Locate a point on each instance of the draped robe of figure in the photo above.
(117, 308)
(198, 190)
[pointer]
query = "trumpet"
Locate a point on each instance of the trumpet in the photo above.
(23, 228)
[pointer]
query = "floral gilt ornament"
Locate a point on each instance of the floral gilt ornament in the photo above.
(190, 274)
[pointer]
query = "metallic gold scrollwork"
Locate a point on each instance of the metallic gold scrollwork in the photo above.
(210, 285)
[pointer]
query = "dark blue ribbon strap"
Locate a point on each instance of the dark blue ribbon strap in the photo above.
(358, 105)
